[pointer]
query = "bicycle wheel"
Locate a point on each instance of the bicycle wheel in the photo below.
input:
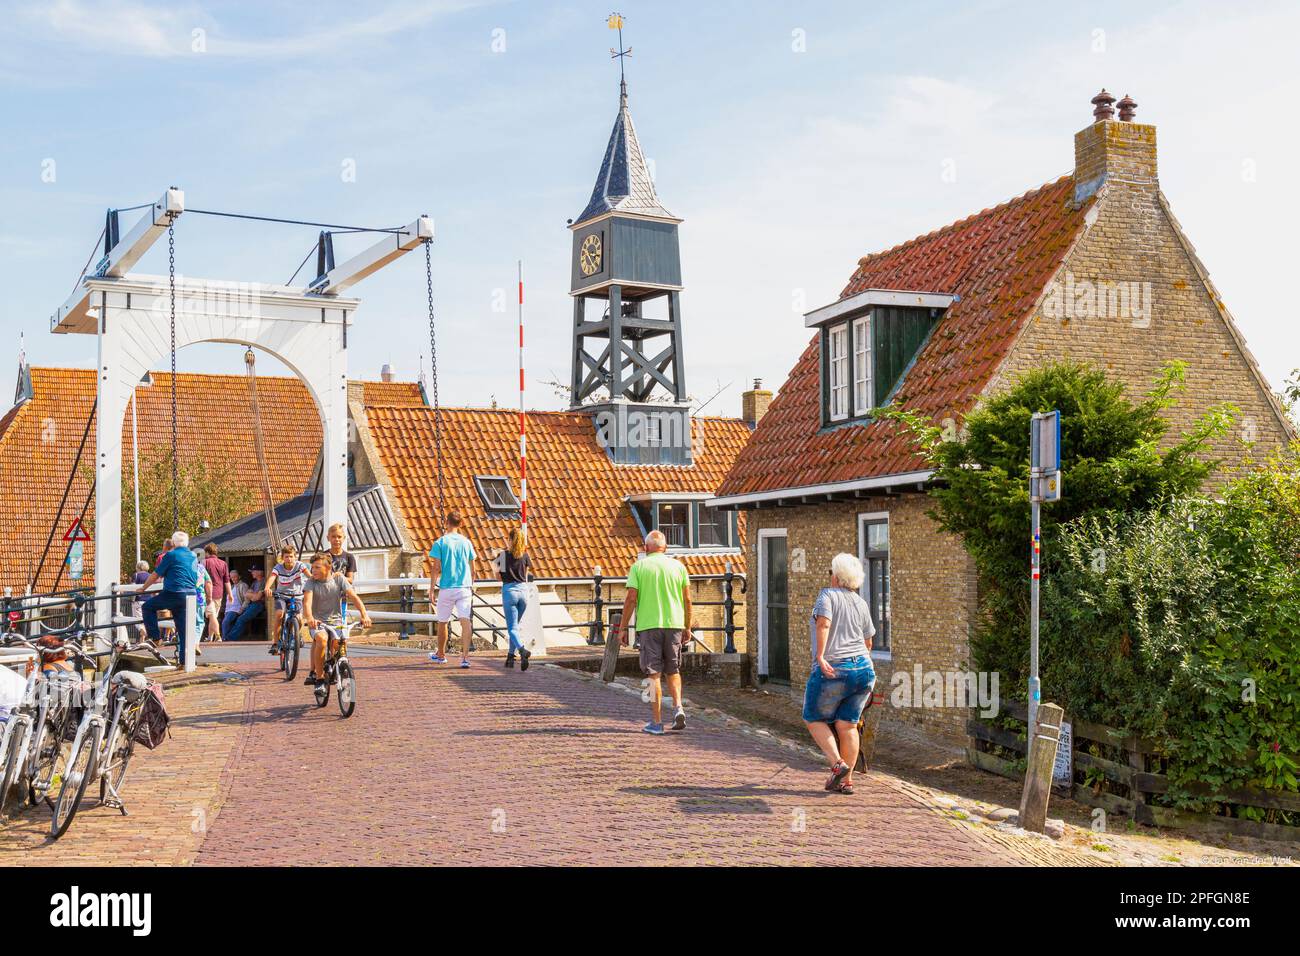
(347, 689)
(82, 762)
(289, 641)
(14, 757)
(117, 756)
(51, 754)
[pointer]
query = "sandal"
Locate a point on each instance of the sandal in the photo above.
(845, 788)
(838, 773)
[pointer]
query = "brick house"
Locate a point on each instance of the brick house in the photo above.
(1090, 267)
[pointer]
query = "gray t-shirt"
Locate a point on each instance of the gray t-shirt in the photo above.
(326, 597)
(851, 625)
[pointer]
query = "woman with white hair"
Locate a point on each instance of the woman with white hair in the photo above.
(842, 675)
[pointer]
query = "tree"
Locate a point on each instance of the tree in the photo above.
(1111, 459)
(209, 491)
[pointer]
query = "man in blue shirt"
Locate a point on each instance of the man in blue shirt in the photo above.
(178, 569)
(451, 588)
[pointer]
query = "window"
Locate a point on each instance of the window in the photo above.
(865, 358)
(496, 493)
(686, 523)
(715, 527)
(371, 566)
(675, 523)
(837, 367)
(862, 398)
(873, 549)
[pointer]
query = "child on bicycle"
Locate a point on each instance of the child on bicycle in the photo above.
(286, 583)
(322, 610)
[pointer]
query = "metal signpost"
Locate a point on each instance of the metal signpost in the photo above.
(1044, 485)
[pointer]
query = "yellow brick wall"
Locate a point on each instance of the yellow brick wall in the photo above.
(932, 585)
(1133, 238)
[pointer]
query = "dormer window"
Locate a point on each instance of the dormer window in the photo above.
(868, 342)
(686, 521)
(496, 494)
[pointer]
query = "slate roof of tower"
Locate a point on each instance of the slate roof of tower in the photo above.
(623, 183)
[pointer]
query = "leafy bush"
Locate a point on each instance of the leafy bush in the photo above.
(1112, 460)
(1181, 625)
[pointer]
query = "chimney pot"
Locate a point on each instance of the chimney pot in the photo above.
(1104, 104)
(1127, 107)
(386, 373)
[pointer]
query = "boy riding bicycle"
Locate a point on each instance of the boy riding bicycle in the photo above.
(326, 589)
(286, 583)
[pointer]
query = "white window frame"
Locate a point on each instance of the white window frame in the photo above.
(761, 562)
(362, 574)
(862, 370)
(690, 524)
(837, 372)
(865, 518)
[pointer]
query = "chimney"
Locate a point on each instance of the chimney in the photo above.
(1113, 150)
(386, 373)
(753, 404)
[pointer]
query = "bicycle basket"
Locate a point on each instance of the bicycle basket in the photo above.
(152, 728)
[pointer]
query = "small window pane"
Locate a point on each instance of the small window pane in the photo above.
(861, 366)
(715, 528)
(838, 367)
(675, 523)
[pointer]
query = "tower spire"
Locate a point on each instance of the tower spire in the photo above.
(616, 23)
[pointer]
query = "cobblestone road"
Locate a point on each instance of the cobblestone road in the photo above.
(487, 766)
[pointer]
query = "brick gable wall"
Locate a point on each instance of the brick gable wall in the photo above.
(1133, 246)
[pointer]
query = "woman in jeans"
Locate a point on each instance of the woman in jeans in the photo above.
(842, 675)
(512, 564)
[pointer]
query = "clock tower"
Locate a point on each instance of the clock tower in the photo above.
(626, 279)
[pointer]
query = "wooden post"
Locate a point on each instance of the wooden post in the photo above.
(1038, 773)
(609, 664)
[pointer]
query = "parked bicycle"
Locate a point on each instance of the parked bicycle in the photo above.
(34, 737)
(106, 736)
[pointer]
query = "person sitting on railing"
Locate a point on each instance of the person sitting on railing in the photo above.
(178, 570)
(512, 565)
(254, 606)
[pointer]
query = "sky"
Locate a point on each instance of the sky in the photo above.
(791, 138)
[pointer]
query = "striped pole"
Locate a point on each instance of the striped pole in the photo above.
(523, 439)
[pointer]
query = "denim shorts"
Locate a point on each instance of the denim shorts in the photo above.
(841, 697)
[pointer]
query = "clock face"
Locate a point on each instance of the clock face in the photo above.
(589, 255)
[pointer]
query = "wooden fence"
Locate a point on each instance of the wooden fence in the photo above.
(1129, 766)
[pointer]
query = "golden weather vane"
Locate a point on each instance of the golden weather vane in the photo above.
(615, 22)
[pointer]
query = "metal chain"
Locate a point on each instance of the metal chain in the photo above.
(433, 368)
(171, 279)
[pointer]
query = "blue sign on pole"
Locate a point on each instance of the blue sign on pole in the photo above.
(76, 560)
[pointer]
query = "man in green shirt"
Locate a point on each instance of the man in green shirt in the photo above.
(659, 591)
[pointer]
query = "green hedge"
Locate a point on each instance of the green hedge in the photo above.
(1182, 624)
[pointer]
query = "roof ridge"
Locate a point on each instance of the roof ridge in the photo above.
(239, 375)
(952, 226)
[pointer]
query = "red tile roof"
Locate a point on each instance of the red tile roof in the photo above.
(998, 262)
(39, 445)
(577, 516)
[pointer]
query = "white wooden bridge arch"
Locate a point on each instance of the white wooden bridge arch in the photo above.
(305, 328)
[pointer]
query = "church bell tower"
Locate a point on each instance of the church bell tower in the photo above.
(626, 279)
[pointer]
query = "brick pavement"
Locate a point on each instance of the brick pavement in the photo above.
(440, 766)
(172, 794)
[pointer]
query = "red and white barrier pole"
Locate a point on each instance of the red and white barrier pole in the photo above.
(523, 437)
